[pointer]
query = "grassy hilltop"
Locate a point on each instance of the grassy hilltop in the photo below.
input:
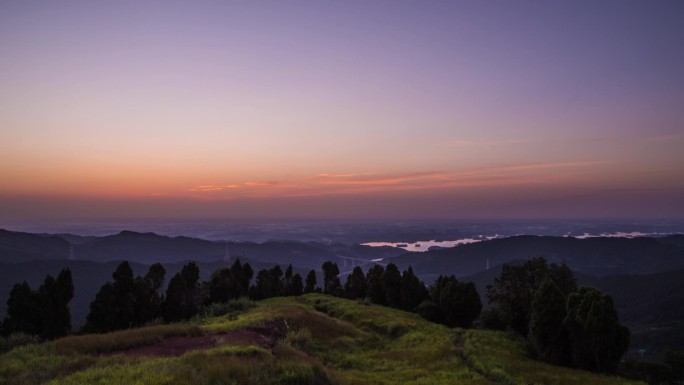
(312, 339)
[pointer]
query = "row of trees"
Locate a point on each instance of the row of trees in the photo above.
(127, 301)
(447, 301)
(130, 301)
(43, 312)
(565, 325)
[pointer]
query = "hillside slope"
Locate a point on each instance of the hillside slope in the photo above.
(313, 339)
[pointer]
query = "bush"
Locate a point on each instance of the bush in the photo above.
(232, 308)
(492, 319)
(15, 340)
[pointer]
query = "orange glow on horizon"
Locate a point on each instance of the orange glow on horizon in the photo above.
(143, 182)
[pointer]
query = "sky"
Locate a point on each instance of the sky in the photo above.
(341, 109)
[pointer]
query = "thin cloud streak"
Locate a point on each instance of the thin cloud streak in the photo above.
(325, 184)
(369, 179)
(489, 143)
(676, 135)
(214, 187)
(537, 166)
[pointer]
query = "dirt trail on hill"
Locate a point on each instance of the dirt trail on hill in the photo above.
(265, 336)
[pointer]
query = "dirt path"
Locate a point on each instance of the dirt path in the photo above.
(264, 336)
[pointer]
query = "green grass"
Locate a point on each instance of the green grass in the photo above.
(326, 340)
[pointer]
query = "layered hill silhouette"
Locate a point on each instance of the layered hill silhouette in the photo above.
(593, 256)
(149, 248)
(21, 247)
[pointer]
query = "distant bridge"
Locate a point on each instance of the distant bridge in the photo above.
(349, 263)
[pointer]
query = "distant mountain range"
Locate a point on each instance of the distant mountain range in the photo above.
(149, 248)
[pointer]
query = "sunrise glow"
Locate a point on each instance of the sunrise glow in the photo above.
(347, 109)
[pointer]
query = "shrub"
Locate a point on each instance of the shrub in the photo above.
(15, 340)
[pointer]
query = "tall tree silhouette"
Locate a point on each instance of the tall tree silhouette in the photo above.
(455, 303)
(124, 285)
(376, 287)
(23, 310)
(356, 285)
(331, 279)
(413, 291)
(513, 290)
(296, 285)
(310, 282)
(55, 296)
(598, 339)
(391, 280)
(182, 296)
(548, 335)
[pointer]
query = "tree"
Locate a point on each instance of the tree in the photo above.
(146, 295)
(222, 286)
(127, 301)
(155, 279)
(331, 279)
(142, 306)
(513, 290)
(472, 305)
(241, 277)
(598, 339)
(247, 274)
(64, 293)
(262, 287)
(287, 279)
(429, 310)
(296, 286)
(55, 296)
(356, 285)
(173, 308)
(293, 285)
(310, 282)
(413, 291)
(183, 295)
(275, 275)
(102, 315)
(452, 303)
(376, 287)
(547, 335)
(155, 276)
(23, 310)
(268, 283)
(124, 286)
(391, 280)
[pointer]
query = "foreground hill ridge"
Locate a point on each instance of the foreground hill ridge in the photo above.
(312, 339)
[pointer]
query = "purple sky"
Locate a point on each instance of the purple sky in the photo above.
(354, 109)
